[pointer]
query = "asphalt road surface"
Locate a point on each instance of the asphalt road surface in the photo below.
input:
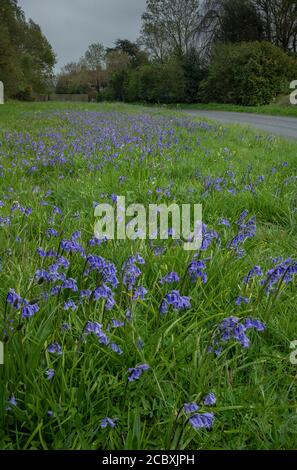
(278, 125)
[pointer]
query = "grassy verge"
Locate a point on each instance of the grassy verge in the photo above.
(273, 110)
(92, 320)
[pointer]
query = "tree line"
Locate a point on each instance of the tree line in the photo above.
(233, 51)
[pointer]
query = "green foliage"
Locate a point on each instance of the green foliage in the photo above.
(26, 57)
(155, 83)
(136, 55)
(239, 22)
(248, 74)
(194, 72)
(26, 94)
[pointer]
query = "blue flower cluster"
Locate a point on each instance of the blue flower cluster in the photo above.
(176, 301)
(234, 328)
(201, 420)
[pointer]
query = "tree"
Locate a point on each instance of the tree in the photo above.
(38, 58)
(132, 49)
(170, 27)
(194, 72)
(240, 22)
(231, 21)
(26, 57)
(94, 61)
(117, 61)
(279, 18)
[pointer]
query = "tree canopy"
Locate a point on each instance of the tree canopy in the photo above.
(26, 57)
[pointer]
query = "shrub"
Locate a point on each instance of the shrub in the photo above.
(25, 94)
(155, 83)
(248, 74)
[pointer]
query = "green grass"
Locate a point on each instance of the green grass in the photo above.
(270, 109)
(256, 388)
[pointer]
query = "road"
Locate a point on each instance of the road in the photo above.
(278, 125)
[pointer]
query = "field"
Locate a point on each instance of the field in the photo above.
(89, 327)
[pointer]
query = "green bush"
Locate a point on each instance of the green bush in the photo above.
(156, 83)
(248, 74)
(26, 94)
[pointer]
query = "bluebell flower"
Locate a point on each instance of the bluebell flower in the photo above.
(14, 299)
(207, 237)
(241, 300)
(139, 293)
(210, 399)
(93, 327)
(29, 310)
(65, 327)
(242, 216)
(57, 210)
(117, 323)
(114, 347)
(5, 221)
(131, 271)
(196, 271)
(159, 250)
(85, 294)
(96, 328)
(105, 422)
(55, 290)
(55, 348)
(234, 328)
(69, 304)
(71, 246)
(51, 233)
(128, 314)
(170, 278)
(75, 236)
(41, 252)
(96, 241)
(13, 401)
(255, 271)
(107, 270)
(104, 292)
(136, 372)
(28, 211)
(62, 262)
(224, 222)
(140, 344)
(191, 407)
(247, 229)
(50, 374)
(177, 301)
(203, 420)
(70, 284)
(285, 272)
(252, 323)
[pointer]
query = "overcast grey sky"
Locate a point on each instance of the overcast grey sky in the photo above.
(71, 25)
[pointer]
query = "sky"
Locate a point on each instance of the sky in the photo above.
(72, 25)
